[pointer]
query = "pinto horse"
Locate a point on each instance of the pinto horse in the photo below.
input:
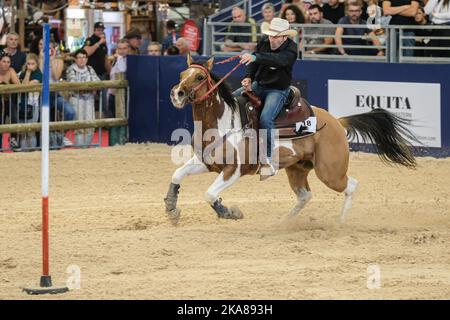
(326, 151)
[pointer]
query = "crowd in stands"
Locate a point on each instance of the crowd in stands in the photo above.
(370, 15)
(90, 63)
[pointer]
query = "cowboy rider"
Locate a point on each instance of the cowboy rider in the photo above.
(269, 73)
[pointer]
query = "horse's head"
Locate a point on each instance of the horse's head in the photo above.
(194, 83)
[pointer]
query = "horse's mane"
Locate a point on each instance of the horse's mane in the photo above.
(224, 90)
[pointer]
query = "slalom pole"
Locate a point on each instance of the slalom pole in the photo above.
(46, 280)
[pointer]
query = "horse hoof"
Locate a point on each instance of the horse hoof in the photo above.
(235, 213)
(174, 216)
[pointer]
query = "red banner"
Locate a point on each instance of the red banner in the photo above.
(191, 32)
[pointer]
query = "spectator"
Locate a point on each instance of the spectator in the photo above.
(183, 47)
(172, 51)
(403, 13)
(172, 35)
(299, 3)
(95, 47)
(422, 35)
(316, 16)
(18, 58)
(82, 101)
(268, 12)
(439, 12)
(237, 43)
(57, 101)
(354, 17)
(7, 76)
(119, 66)
(134, 38)
(154, 49)
(293, 15)
(333, 10)
(29, 103)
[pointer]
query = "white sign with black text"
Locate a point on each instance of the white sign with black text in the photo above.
(419, 102)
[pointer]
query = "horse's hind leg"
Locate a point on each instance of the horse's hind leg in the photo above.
(193, 166)
(298, 180)
(352, 184)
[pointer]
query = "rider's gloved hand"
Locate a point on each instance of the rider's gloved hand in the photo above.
(247, 58)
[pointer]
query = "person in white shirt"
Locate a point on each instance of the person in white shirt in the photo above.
(119, 66)
(439, 13)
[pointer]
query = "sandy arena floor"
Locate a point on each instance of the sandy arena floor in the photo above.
(107, 217)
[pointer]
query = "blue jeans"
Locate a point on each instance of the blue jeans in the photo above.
(273, 100)
(408, 43)
(63, 106)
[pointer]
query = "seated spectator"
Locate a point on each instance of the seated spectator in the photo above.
(154, 49)
(302, 5)
(134, 39)
(293, 14)
(354, 18)
(183, 47)
(119, 66)
(316, 17)
(82, 101)
(422, 35)
(172, 51)
(172, 35)
(29, 103)
(439, 13)
(333, 10)
(17, 57)
(238, 43)
(7, 76)
(268, 12)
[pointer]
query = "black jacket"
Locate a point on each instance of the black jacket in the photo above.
(273, 69)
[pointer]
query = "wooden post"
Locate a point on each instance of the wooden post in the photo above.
(22, 14)
(119, 134)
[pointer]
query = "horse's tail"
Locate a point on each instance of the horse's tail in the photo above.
(384, 130)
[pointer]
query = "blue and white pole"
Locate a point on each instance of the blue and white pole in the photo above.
(46, 280)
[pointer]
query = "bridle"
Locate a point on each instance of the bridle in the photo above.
(208, 81)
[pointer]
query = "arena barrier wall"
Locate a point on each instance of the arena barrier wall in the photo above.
(418, 91)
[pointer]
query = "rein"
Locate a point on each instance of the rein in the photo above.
(208, 80)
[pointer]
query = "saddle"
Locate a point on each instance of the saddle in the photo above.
(295, 110)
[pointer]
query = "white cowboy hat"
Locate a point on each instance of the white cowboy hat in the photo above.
(277, 27)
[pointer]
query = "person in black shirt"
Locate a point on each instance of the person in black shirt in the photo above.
(269, 75)
(333, 10)
(18, 58)
(96, 48)
(403, 13)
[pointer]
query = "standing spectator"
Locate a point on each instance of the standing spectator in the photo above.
(7, 76)
(134, 39)
(57, 102)
(268, 12)
(29, 103)
(154, 49)
(172, 35)
(316, 16)
(403, 13)
(82, 101)
(354, 17)
(119, 66)
(18, 58)
(237, 43)
(439, 12)
(95, 47)
(333, 10)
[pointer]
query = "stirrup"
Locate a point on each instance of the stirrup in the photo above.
(266, 171)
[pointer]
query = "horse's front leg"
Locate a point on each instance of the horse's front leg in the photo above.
(193, 166)
(226, 178)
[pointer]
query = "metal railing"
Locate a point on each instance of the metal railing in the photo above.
(392, 43)
(83, 103)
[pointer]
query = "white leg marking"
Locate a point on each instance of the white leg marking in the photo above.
(352, 185)
(220, 184)
(303, 198)
(193, 166)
